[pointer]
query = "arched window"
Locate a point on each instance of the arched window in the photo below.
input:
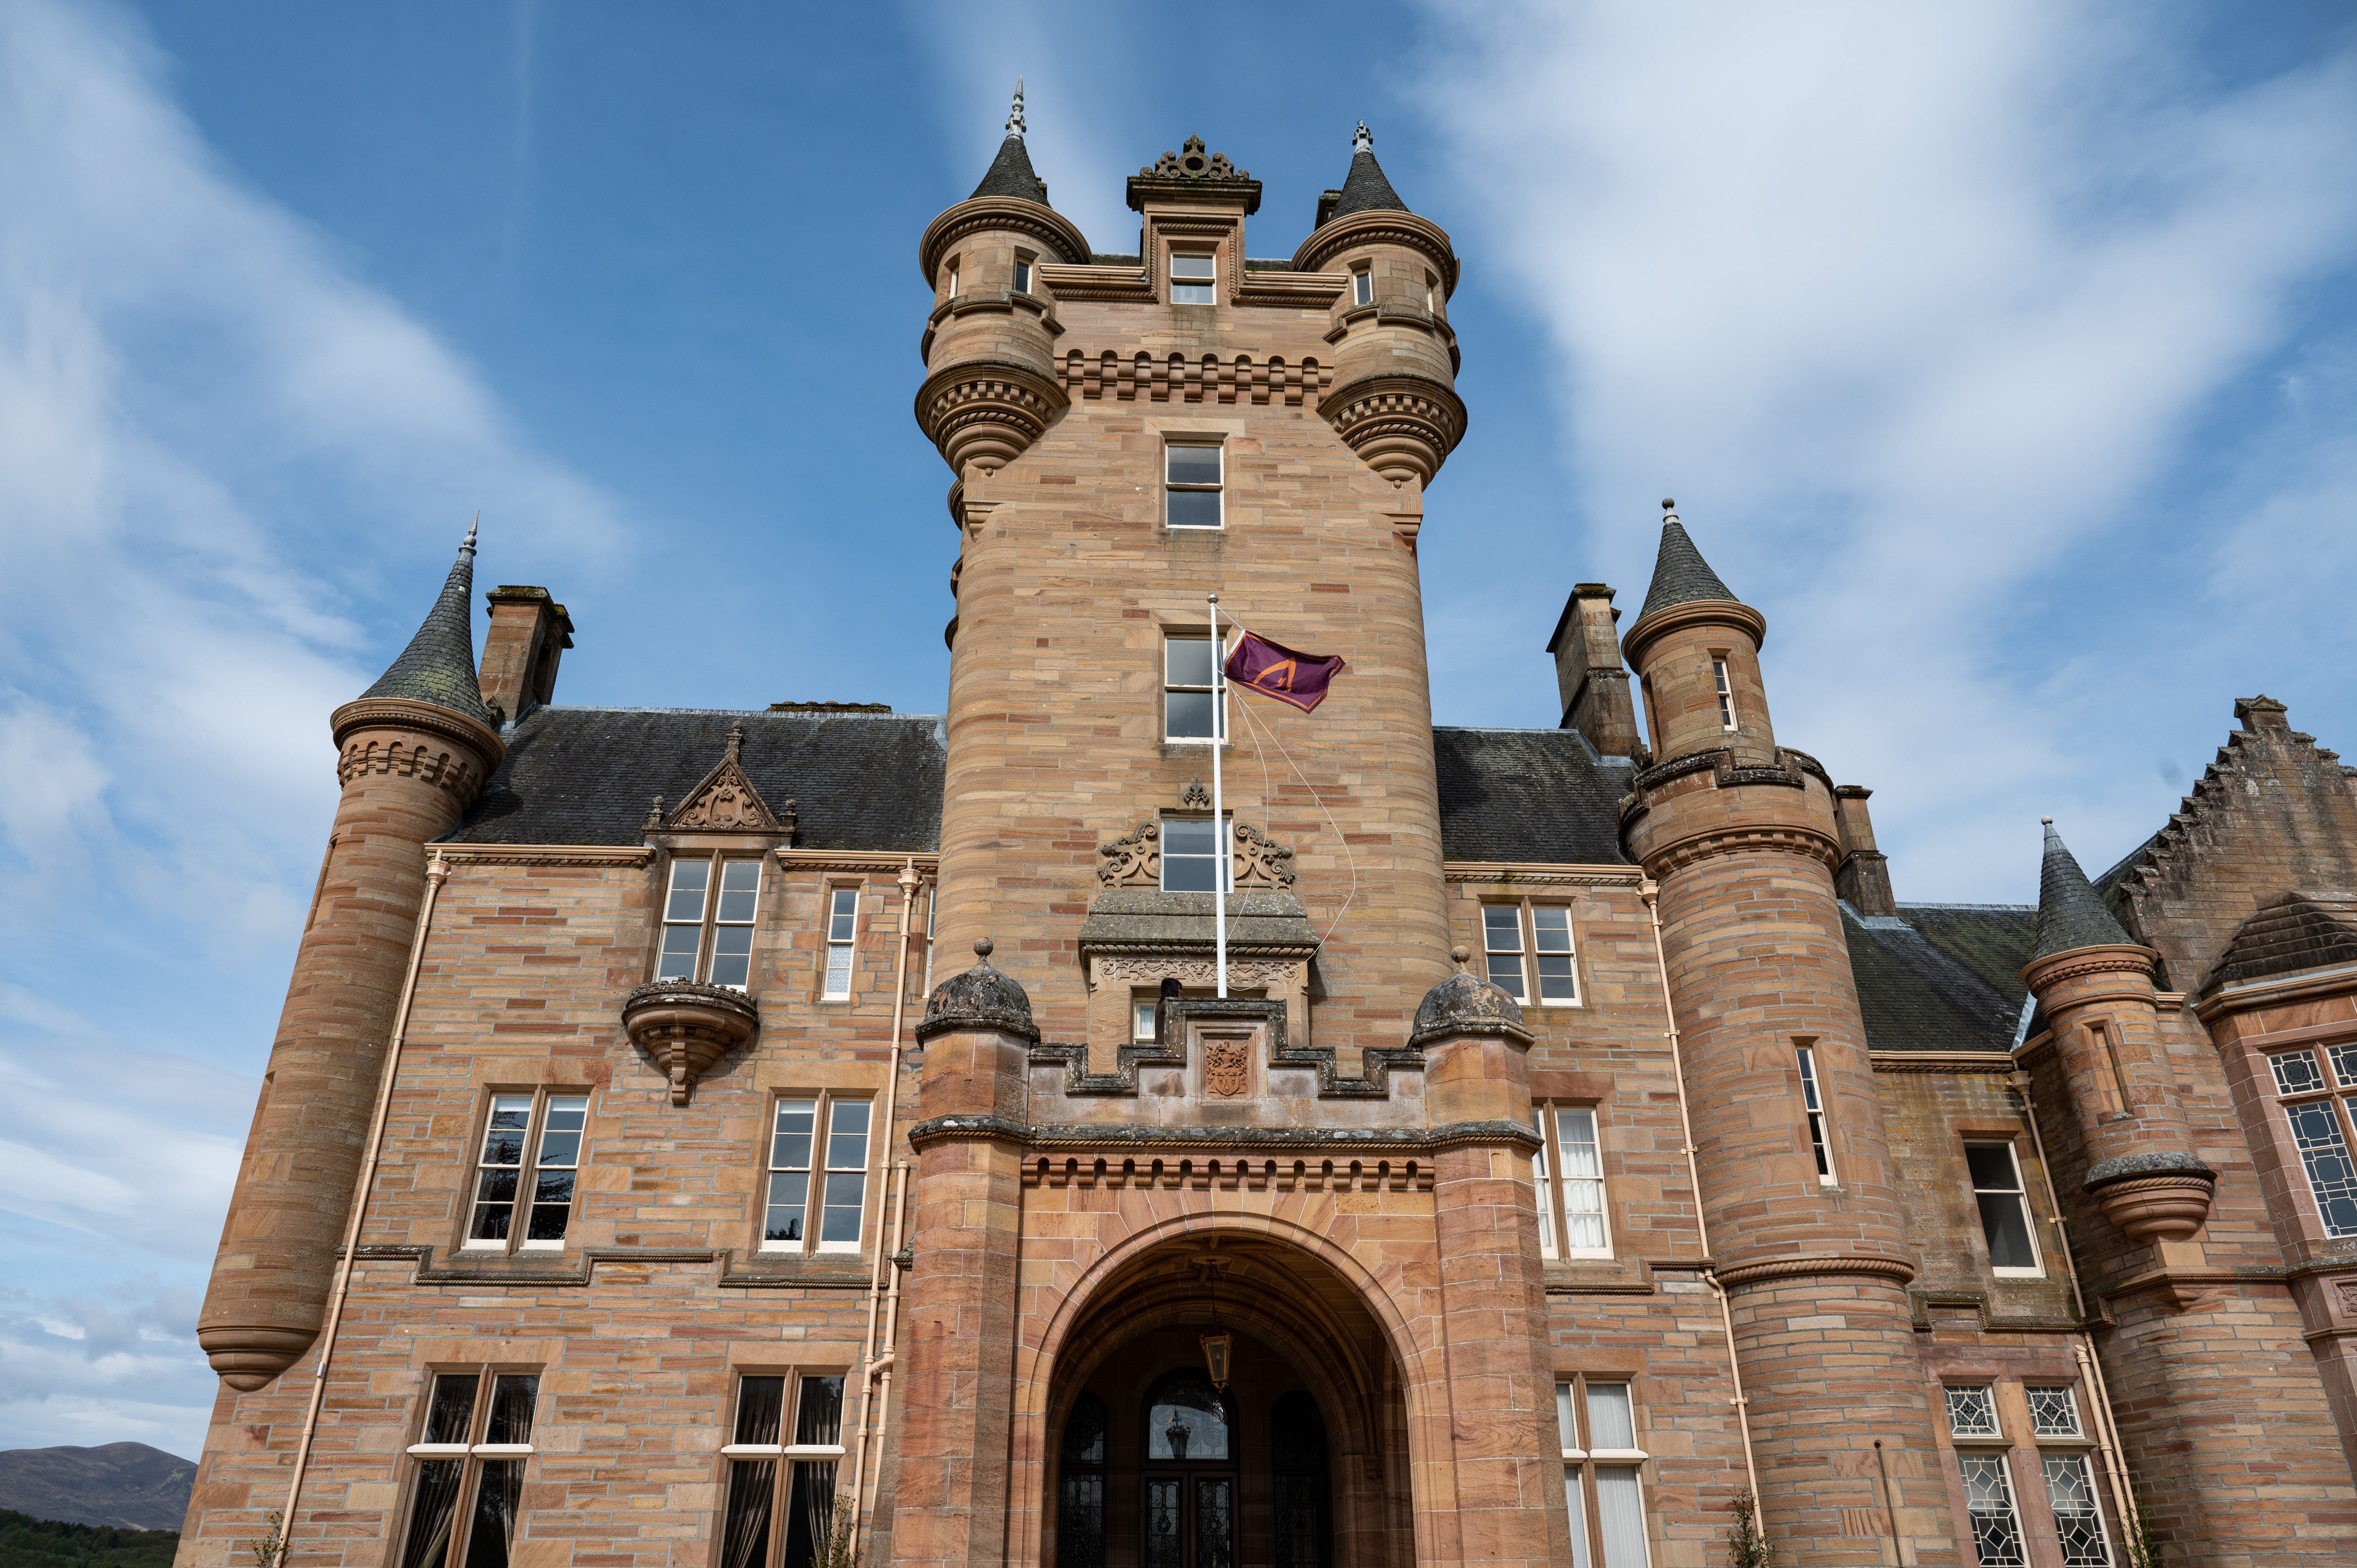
(1296, 1451)
(1080, 1506)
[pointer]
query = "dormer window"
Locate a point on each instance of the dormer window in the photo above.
(1022, 273)
(707, 938)
(1362, 287)
(1190, 278)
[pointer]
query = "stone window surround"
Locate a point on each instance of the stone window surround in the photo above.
(759, 1251)
(1169, 628)
(462, 1247)
(830, 883)
(2012, 1138)
(719, 851)
(1551, 1193)
(471, 1453)
(1571, 1390)
(1817, 1121)
(2024, 1451)
(785, 1455)
(1498, 896)
(2334, 1087)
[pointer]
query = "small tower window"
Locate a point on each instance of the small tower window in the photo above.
(950, 290)
(1022, 273)
(1362, 287)
(1191, 485)
(1190, 278)
(1813, 1102)
(1725, 693)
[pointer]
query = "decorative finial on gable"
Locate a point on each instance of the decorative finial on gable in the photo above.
(1364, 141)
(736, 740)
(655, 814)
(1015, 115)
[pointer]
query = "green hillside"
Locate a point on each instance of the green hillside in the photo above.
(29, 1543)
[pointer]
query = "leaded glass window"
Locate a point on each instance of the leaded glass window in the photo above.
(2319, 1125)
(1997, 1525)
(1972, 1411)
(1080, 1482)
(1297, 1455)
(2078, 1521)
(2053, 1412)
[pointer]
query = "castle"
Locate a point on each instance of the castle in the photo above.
(729, 1140)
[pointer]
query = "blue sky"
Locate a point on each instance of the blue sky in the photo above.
(2004, 354)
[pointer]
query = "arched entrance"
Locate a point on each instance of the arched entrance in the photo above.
(1300, 1462)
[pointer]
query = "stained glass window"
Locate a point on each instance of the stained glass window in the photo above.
(1988, 1496)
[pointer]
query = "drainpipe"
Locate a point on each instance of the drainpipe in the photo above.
(1651, 892)
(868, 1362)
(435, 871)
(2083, 1348)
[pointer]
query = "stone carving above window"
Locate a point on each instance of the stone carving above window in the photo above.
(726, 802)
(1135, 861)
(1193, 163)
(1261, 861)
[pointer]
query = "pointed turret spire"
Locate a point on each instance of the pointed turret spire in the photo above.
(1365, 189)
(1680, 574)
(438, 665)
(2070, 914)
(1010, 172)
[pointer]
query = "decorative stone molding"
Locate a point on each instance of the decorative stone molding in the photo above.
(687, 1028)
(1651, 628)
(1894, 1269)
(1230, 1175)
(1402, 426)
(855, 860)
(1462, 1005)
(247, 1356)
(1790, 839)
(1255, 860)
(1357, 1144)
(1002, 214)
(1134, 861)
(1379, 228)
(2160, 1208)
(443, 748)
(1941, 1062)
(1259, 861)
(1142, 377)
(1504, 874)
(542, 855)
(1376, 1064)
(1144, 970)
(2080, 962)
(987, 412)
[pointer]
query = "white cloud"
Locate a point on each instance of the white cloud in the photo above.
(1913, 307)
(118, 1366)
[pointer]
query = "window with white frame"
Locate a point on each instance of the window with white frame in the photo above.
(818, 1183)
(475, 1440)
(1362, 285)
(1603, 1486)
(1568, 1173)
(779, 1502)
(708, 932)
(1143, 1018)
(1194, 708)
(842, 941)
(1814, 1105)
(1510, 932)
(1725, 693)
(950, 287)
(2005, 1209)
(1192, 861)
(1193, 484)
(1191, 277)
(1022, 272)
(526, 1172)
(2320, 1127)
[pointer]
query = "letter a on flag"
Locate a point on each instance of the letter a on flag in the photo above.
(1275, 670)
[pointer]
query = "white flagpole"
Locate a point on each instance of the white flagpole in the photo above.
(1219, 807)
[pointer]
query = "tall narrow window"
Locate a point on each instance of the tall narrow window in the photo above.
(781, 1496)
(1190, 278)
(1362, 287)
(842, 938)
(1191, 861)
(951, 288)
(1022, 273)
(846, 1176)
(1501, 942)
(826, 1216)
(2004, 1209)
(1814, 1104)
(541, 1185)
(2078, 1520)
(2110, 1048)
(1725, 693)
(706, 938)
(792, 1135)
(1193, 707)
(1080, 1482)
(1568, 1172)
(2319, 1134)
(1603, 1487)
(1551, 951)
(1543, 1184)
(1296, 1453)
(1192, 481)
(1988, 1498)
(480, 1422)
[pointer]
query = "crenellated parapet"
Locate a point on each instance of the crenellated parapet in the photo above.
(397, 737)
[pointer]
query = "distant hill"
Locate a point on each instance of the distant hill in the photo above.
(28, 1542)
(126, 1485)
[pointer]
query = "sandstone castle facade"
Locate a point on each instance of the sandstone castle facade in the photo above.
(649, 1173)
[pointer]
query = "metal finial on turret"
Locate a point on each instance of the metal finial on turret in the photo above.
(468, 545)
(1015, 115)
(1364, 141)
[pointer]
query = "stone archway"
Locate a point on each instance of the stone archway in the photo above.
(1302, 1332)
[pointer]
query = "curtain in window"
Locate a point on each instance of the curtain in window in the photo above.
(1621, 1515)
(744, 1543)
(492, 1535)
(1577, 1508)
(432, 1513)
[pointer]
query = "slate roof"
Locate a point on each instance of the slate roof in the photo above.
(2070, 914)
(1528, 795)
(2296, 931)
(1010, 175)
(1364, 190)
(586, 776)
(438, 665)
(1940, 977)
(1681, 577)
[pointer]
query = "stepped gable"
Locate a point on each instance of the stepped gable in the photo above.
(2297, 932)
(1528, 796)
(1940, 977)
(586, 776)
(2273, 813)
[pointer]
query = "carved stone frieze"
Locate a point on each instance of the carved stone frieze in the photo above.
(987, 412)
(1402, 426)
(1244, 975)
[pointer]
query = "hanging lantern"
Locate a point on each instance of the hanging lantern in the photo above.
(1216, 1347)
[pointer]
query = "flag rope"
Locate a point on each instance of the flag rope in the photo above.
(1270, 805)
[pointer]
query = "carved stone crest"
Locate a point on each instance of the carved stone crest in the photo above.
(726, 802)
(1197, 797)
(1227, 1068)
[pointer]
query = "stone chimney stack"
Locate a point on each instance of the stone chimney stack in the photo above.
(528, 633)
(1589, 674)
(1864, 875)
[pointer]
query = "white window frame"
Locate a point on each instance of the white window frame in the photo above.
(1362, 285)
(952, 270)
(1143, 1005)
(1725, 685)
(1554, 1186)
(1226, 864)
(789, 1419)
(1209, 283)
(2331, 1067)
(1996, 1462)
(706, 922)
(842, 932)
(820, 1167)
(1025, 265)
(2019, 1193)
(539, 1107)
(1531, 981)
(1218, 689)
(785, 1455)
(1583, 1500)
(1217, 489)
(1813, 1106)
(2083, 1462)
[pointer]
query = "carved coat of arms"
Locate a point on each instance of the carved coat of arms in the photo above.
(1227, 1068)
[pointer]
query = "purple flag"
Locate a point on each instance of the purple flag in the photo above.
(1275, 670)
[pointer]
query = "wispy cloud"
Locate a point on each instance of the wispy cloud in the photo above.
(1914, 309)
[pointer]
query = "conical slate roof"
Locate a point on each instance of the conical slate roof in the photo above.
(1010, 174)
(2070, 914)
(1681, 577)
(438, 665)
(1364, 190)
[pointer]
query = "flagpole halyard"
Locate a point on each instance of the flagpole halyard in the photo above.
(1220, 834)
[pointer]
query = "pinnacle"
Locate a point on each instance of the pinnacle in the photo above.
(1365, 189)
(2070, 914)
(1010, 173)
(438, 665)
